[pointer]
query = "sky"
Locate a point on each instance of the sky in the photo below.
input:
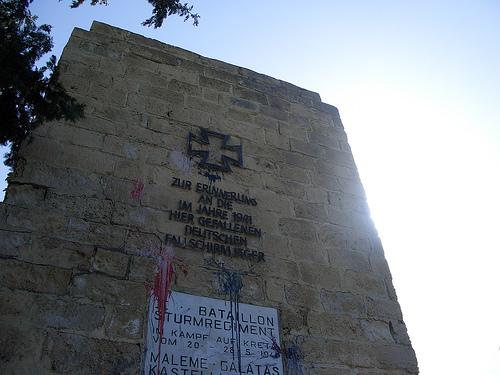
(416, 84)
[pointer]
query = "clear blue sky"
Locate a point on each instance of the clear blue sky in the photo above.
(417, 85)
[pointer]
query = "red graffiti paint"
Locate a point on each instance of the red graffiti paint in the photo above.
(162, 285)
(138, 190)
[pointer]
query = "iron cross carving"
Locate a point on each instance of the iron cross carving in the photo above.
(211, 145)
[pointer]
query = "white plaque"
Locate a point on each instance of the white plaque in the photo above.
(207, 336)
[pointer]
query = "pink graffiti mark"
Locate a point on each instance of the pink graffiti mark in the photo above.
(167, 266)
(138, 191)
(276, 348)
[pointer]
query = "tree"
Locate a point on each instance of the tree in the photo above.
(161, 10)
(30, 96)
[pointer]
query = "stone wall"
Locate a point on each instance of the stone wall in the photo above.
(92, 204)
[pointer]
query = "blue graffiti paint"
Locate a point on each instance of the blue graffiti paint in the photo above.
(230, 284)
(212, 177)
(292, 355)
(294, 359)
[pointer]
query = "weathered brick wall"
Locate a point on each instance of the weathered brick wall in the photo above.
(90, 201)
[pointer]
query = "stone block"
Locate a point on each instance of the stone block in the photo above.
(12, 244)
(302, 296)
(185, 75)
(154, 55)
(114, 95)
(193, 67)
(389, 287)
(113, 263)
(377, 331)
(70, 156)
(199, 104)
(266, 122)
(352, 187)
(294, 321)
(64, 132)
(119, 147)
(75, 84)
(276, 246)
(332, 169)
(74, 354)
(142, 269)
(305, 148)
(340, 353)
(84, 207)
(242, 104)
(327, 182)
(283, 186)
(236, 114)
(142, 73)
(297, 159)
(101, 48)
(276, 268)
(253, 291)
(196, 280)
(214, 84)
(275, 290)
(275, 113)
(59, 253)
(381, 372)
(350, 260)
(333, 325)
(15, 305)
(24, 194)
(351, 220)
(260, 164)
(184, 87)
(395, 357)
(124, 323)
(320, 276)
(399, 332)
(65, 313)
(311, 251)
(345, 202)
(327, 136)
(274, 139)
(279, 103)
(105, 289)
(316, 195)
(343, 303)
(383, 309)
(158, 107)
(119, 190)
(21, 350)
(295, 228)
(310, 211)
(251, 95)
(364, 283)
(299, 121)
(103, 29)
(73, 54)
(316, 370)
(97, 124)
(211, 95)
(294, 173)
(45, 279)
(337, 157)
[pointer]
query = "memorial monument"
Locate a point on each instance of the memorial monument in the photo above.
(202, 219)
